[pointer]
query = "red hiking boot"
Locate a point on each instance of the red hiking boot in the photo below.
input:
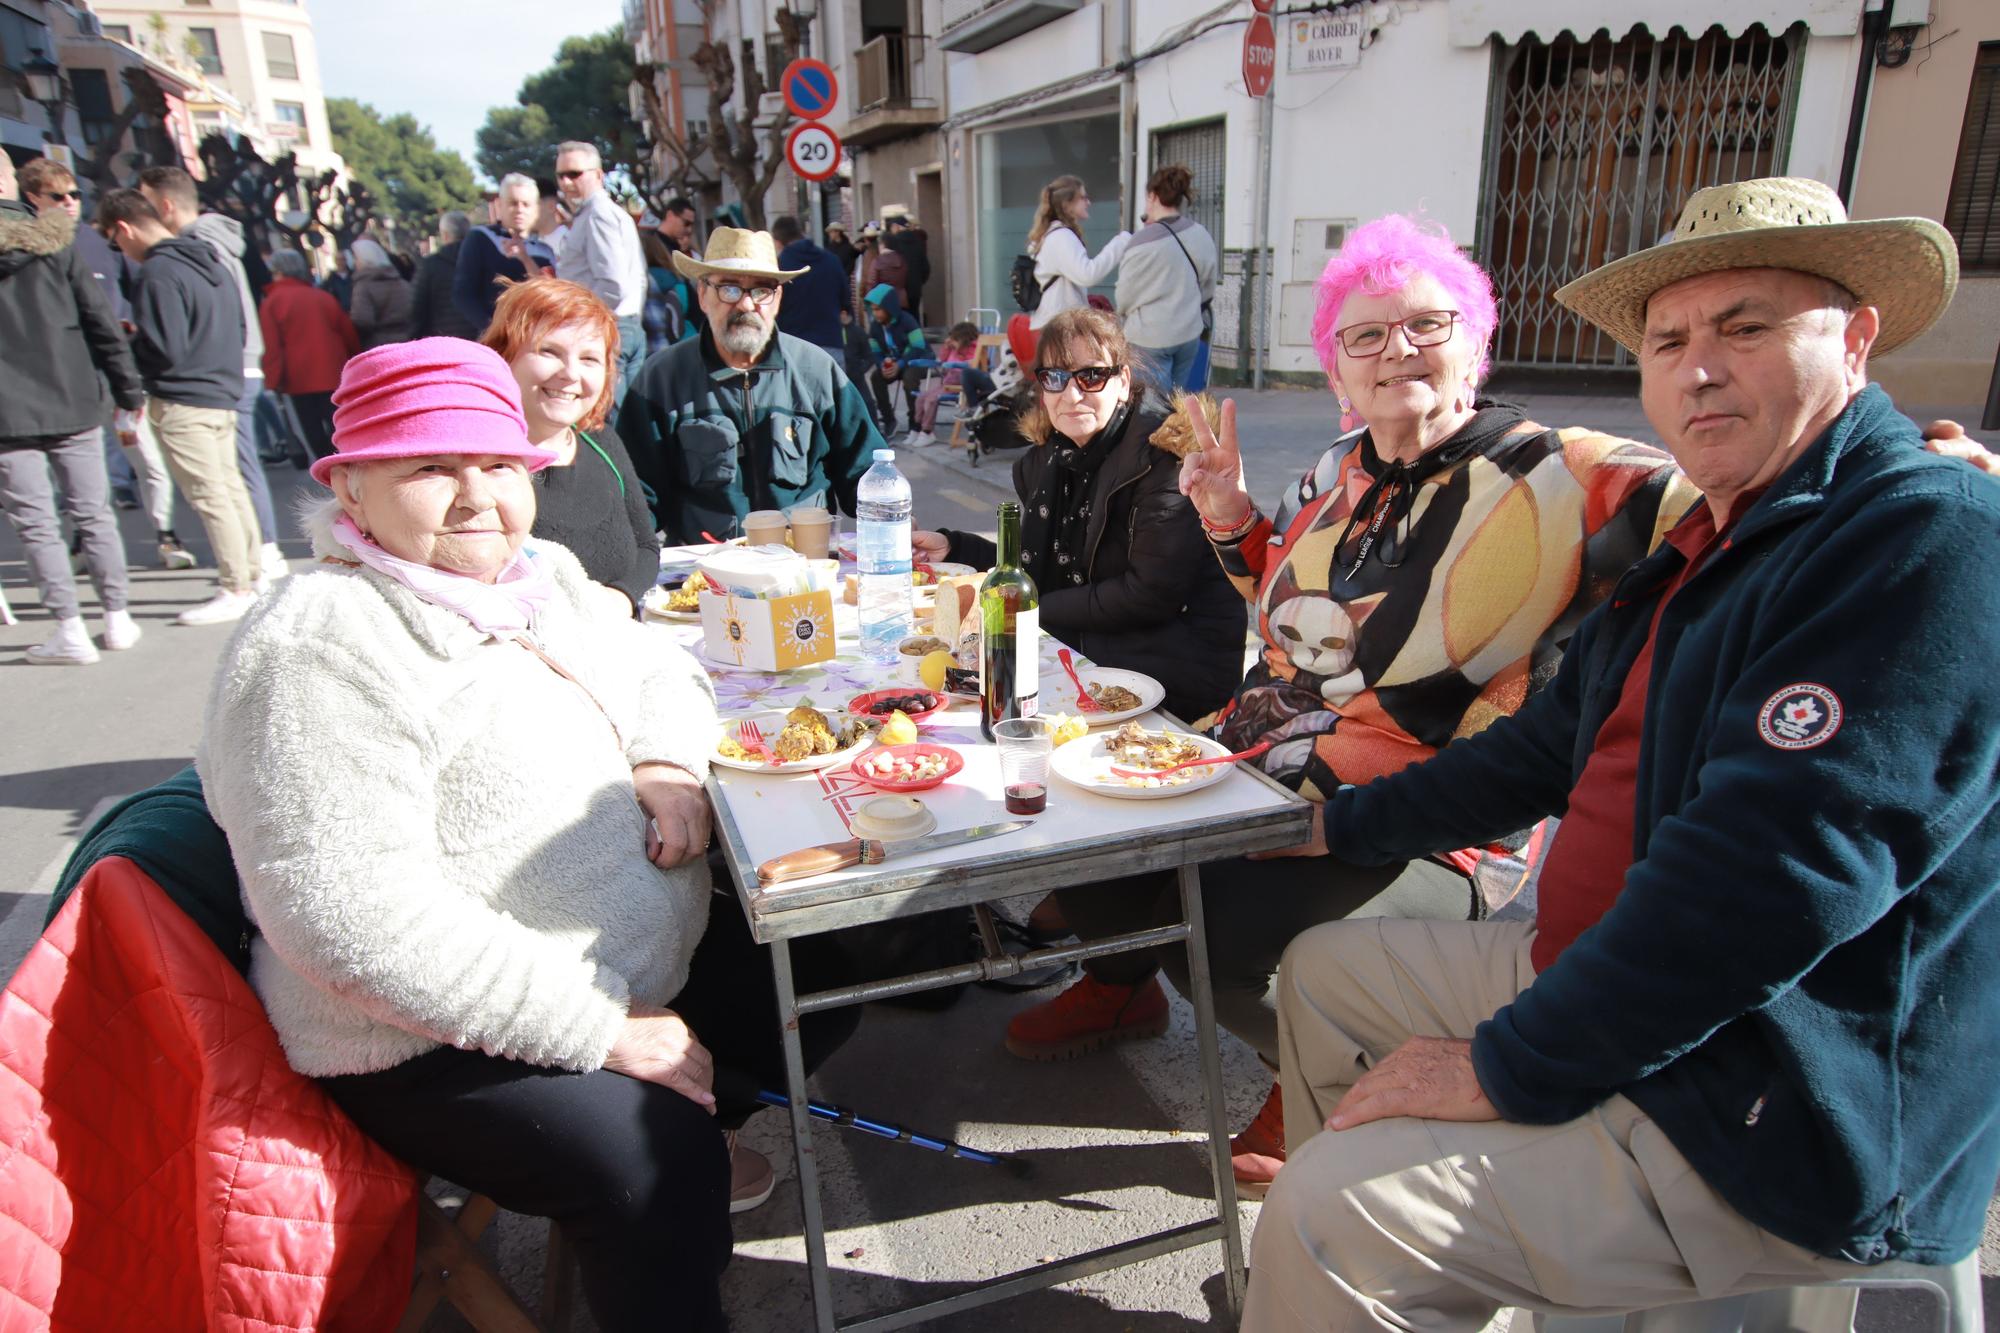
(1086, 1017)
(1259, 1151)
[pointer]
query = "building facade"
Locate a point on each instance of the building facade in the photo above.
(1930, 146)
(672, 105)
(259, 53)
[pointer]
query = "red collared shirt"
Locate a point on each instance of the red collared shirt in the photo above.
(1586, 865)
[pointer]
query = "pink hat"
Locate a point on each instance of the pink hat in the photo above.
(431, 396)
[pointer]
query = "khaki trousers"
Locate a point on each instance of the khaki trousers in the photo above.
(1427, 1224)
(199, 444)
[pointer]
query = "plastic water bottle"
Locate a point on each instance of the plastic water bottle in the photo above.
(882, 533)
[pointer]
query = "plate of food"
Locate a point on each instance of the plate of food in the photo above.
(915, 703)
(680, 603)
(1121, 694)
(798, 741)
(917, 767)
(1087, 763)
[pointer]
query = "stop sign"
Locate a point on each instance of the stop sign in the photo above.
(1260, 55)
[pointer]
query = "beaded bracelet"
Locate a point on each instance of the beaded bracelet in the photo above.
(1235, 532)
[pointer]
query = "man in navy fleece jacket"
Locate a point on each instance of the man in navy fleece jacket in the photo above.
(1751, 1044)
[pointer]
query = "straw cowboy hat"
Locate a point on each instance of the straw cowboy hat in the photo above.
(735, 253)
(1905, 267)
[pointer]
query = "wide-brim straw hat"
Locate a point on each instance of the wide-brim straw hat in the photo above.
(1907, 268)
(733, 252)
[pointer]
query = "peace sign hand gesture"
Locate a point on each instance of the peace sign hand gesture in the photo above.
(1212, 475)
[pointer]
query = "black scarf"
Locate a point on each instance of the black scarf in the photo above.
(1055, 524)
(1377, 526)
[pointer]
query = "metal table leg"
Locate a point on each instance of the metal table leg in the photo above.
(795, 1087)
(1211, 1077)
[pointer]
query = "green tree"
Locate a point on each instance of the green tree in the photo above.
(582, 95)
(399, 162)
(517, 138)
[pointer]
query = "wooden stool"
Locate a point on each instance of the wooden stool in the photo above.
(451, 1268)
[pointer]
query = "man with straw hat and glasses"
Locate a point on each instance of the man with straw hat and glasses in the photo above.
(743, 417)
(1748, 1042)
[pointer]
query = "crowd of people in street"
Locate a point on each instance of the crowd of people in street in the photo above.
(1464, 625)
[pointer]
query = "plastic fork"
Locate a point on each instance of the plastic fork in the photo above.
(1250, 753)
(751, 737)
(1084, 703)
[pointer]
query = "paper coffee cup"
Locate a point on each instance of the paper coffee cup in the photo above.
(812, 531)
(764, 527)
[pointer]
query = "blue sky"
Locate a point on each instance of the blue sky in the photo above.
(445, 63)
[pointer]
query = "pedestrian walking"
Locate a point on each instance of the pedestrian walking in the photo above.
(862, 277)
(1166, 283)
(601, 251)
(307, 340)
(433, 314)
(842, 248)
(62, 345)
(382, 302)
(813, 299)
(339, 284)
(171, 192)
(1064, 267)
(132, 456)
(505, 248)
(188, 343)
(902, 236)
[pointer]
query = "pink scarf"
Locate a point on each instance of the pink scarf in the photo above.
(502, 608)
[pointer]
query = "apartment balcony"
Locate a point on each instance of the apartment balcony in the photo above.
(885, 103)
(971, 26)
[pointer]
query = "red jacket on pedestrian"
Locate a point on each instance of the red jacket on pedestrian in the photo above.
(307, 337)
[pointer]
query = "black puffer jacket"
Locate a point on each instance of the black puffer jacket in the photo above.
(61, 342)
(1157, 600)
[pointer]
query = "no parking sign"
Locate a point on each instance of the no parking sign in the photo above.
(813, 151)
(809, 88)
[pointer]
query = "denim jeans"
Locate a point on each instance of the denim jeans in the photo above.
(29, 499)
(1172, 367)
(631, 355)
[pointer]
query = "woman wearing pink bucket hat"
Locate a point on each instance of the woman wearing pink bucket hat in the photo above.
(465, 803)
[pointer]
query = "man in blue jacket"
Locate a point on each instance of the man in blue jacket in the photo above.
(813, 300)
(743, 417)
(897, 343)
(1750, 1041)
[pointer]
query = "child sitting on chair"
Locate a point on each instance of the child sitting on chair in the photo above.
(958, 359)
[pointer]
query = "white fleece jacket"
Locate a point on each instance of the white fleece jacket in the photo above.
(1067, 272)
(436, 832)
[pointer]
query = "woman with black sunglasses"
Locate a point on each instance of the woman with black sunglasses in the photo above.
(1125, 574)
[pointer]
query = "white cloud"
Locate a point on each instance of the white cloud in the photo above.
(443, 61)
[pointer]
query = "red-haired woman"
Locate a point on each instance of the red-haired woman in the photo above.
(561, 342)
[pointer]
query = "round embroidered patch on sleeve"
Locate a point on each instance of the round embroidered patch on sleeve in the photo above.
(1799, 717)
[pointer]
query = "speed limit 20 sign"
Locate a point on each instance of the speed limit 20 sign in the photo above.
(813, 151)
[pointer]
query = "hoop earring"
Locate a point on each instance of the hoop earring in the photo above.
(1346, 415)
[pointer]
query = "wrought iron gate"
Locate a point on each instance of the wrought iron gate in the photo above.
(1592, 148)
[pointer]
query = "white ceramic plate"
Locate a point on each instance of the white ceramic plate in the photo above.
(1150, 693)
(774, 722)
(1086, 762)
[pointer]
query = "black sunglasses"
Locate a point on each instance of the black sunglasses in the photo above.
(572, 175)
(61, 195)
(1088, 378)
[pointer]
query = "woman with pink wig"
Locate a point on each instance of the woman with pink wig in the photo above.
(1415, 585)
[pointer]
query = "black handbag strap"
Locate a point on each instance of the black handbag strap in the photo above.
(1207, 321)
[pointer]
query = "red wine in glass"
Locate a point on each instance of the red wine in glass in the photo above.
(1027, 798)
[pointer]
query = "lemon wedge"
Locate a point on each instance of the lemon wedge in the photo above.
(898, 730)
(931, 670)
(1063, 727)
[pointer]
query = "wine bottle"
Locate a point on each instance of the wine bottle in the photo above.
(1009, 631)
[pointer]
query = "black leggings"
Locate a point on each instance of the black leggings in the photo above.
(1253, 910)
(634, 1172)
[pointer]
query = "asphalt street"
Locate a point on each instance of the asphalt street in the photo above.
(1111, 1141)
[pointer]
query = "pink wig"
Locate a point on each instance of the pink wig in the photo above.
(1381, 257)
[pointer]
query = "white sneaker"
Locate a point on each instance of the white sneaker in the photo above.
(272, 564)
(224, 607)
(920, 439)
(120, 630)
(69, 645)
(175, 556)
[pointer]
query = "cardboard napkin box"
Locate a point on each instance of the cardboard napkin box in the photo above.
(768, 634)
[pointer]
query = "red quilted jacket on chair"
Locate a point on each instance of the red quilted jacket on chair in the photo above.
(161, 1166)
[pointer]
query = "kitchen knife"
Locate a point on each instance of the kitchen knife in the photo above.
(819, 860)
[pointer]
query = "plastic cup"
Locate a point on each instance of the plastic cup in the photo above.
(812, 531)
(1025, 745)
(764, 527)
